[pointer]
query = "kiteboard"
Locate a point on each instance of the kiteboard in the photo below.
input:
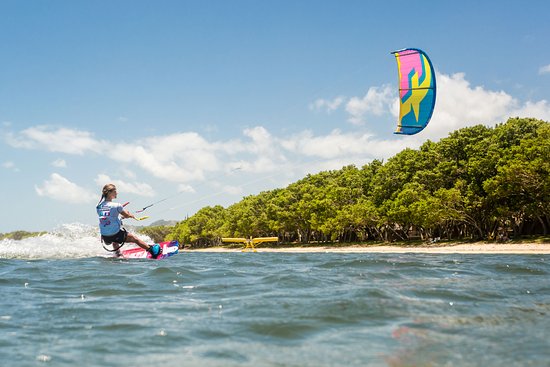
(168, 249)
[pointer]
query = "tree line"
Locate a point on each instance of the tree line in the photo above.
(479, 183)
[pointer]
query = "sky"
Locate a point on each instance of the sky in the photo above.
(187, 104)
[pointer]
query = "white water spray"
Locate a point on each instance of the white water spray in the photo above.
(68, 241)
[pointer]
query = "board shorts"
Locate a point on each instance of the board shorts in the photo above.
(119, 238)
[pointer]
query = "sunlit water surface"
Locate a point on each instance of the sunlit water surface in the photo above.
(63, 303)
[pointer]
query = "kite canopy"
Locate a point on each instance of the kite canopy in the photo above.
(416, 90)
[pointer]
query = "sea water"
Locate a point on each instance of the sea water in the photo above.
(64, 303)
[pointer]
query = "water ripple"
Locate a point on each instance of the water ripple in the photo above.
(244, 309)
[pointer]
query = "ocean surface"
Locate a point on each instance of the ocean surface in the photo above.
(64, 303)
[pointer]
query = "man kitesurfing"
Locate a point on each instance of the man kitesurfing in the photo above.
(110, 225)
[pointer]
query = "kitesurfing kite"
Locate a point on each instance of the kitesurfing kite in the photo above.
(416, 90)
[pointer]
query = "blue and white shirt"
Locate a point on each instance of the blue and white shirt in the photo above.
(109, 221)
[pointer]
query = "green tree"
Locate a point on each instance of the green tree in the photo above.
(471, 184)
(156, 233)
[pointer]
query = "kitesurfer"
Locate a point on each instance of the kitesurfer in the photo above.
(110, 225)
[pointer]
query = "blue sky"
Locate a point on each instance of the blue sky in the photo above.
(209, 101)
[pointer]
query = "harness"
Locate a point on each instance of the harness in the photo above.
(111, 243)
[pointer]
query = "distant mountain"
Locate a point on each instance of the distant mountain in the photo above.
(163, 222)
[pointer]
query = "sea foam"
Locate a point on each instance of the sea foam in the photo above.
(67, 241)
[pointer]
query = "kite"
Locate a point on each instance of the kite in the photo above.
(416, 90)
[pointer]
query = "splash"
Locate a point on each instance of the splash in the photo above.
(67, 241)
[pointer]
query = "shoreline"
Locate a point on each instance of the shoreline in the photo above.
(460, 248)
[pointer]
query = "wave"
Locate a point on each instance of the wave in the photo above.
(67, 241)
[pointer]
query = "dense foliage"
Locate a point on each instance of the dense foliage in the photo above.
(156, 233)
(478, 183)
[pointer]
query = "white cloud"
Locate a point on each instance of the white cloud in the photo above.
(61, 140)
(185, 188)
(8, 164)
(128, 173)
(377, 101)
(544, 69)
(60, 188)
(460, 105)
(261, 153)
(540, 110)
(138, 188)
(233, 190)
(59, 163)
(260, 164)
(337, 145)
(261, 140)
(326, 104)
(18, 142)
(188, 157)
(181, 157)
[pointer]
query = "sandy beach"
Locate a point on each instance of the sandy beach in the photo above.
(469, 248)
